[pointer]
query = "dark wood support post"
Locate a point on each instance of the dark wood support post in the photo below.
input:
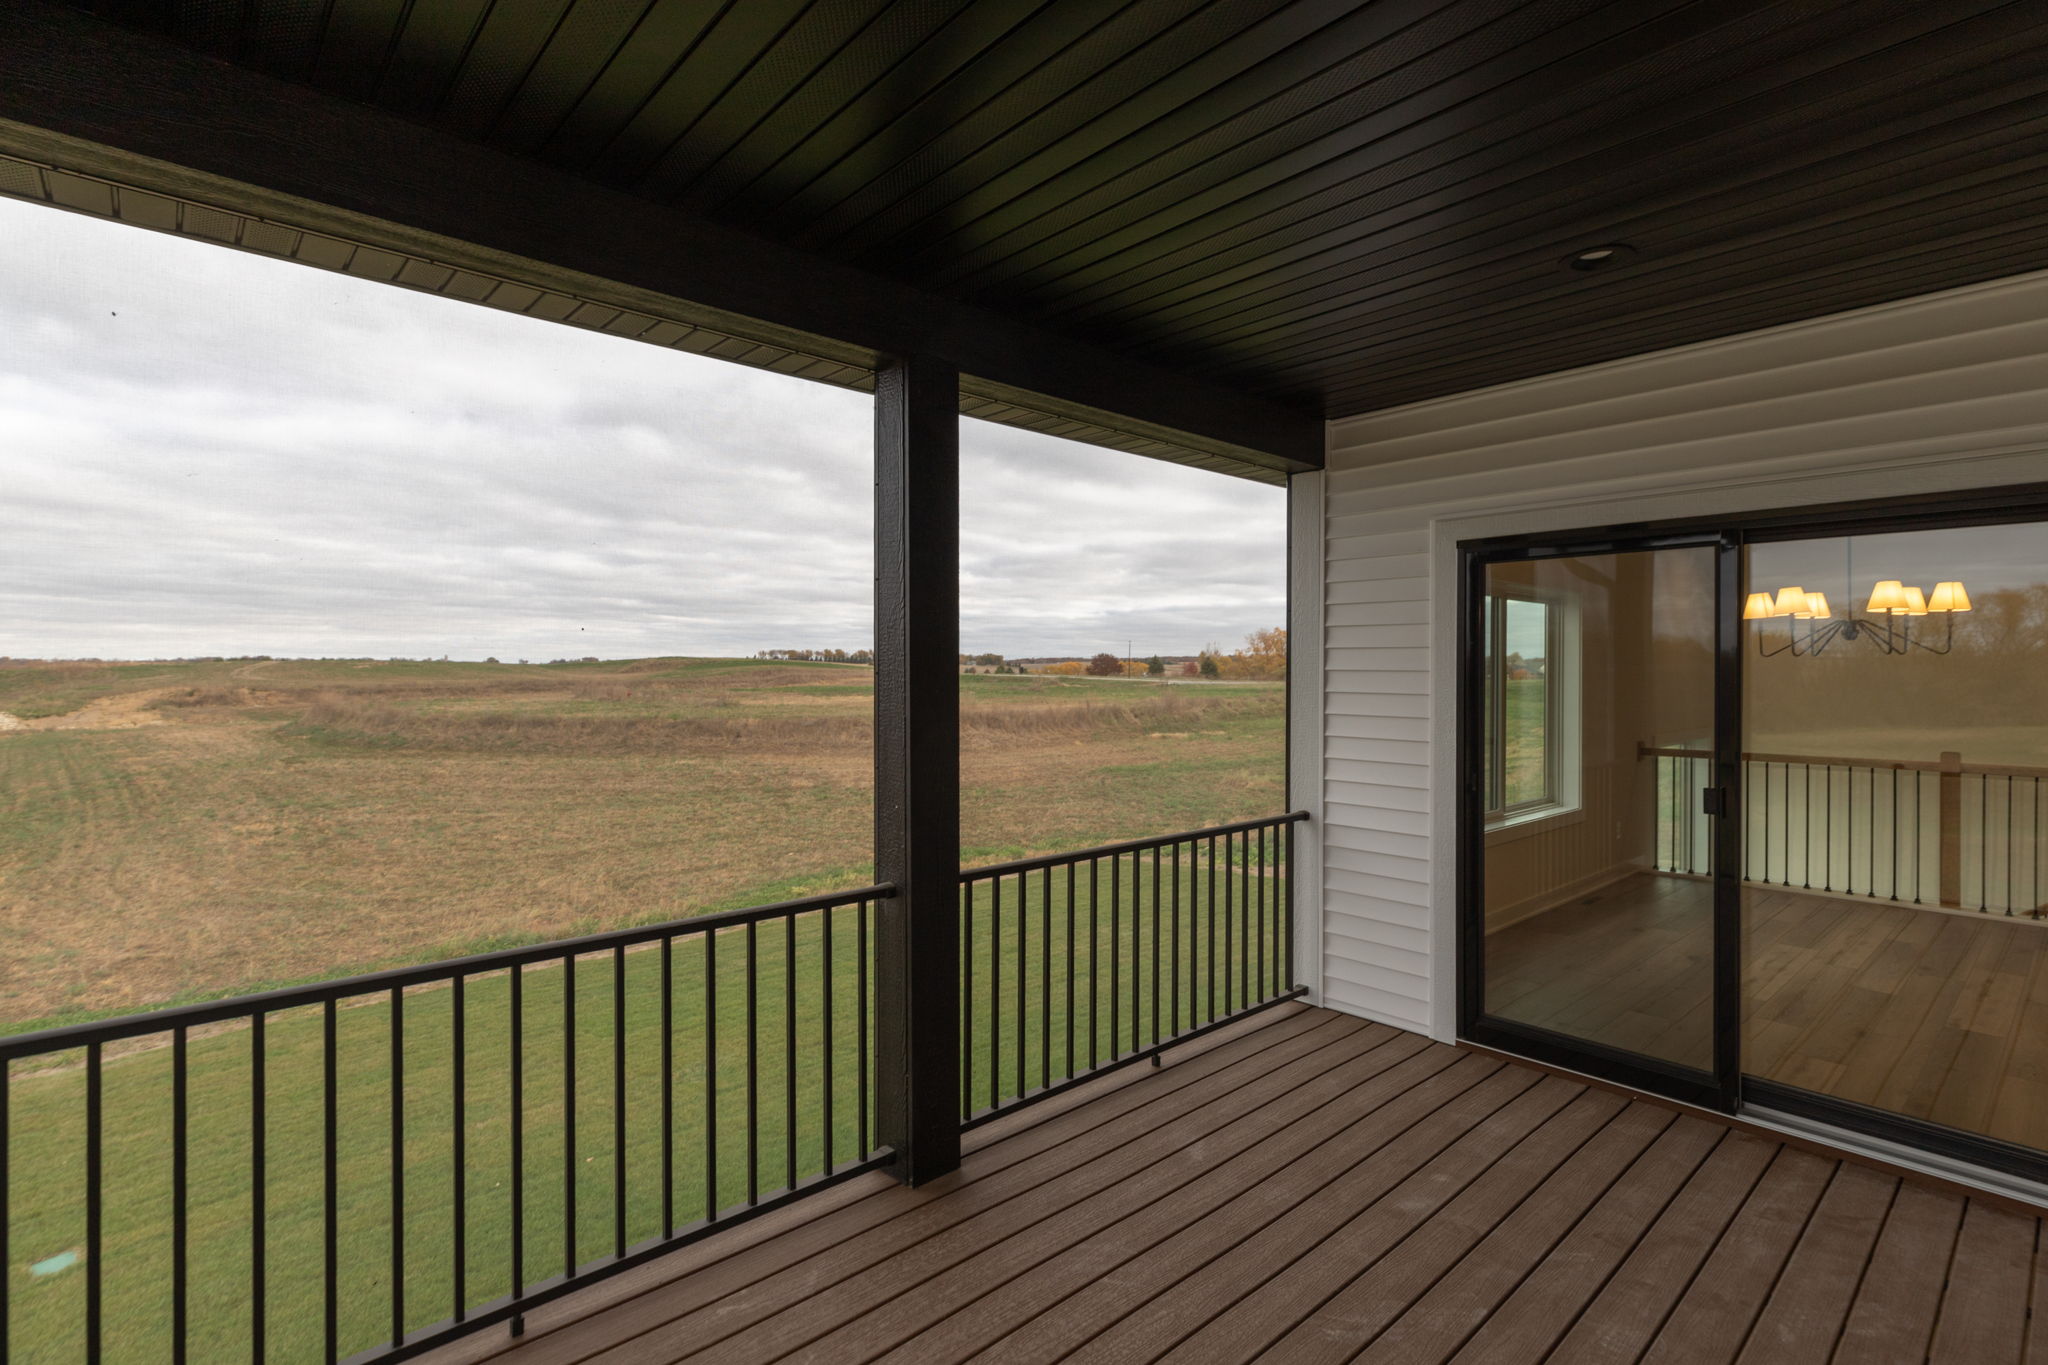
(917, 763)
(1951, 828)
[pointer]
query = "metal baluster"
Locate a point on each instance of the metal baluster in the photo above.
(860, 967)
(1229, 927)
(1045, 976)
(397, 1036)
(1175, 978)
(1115, 954)
(1265, 921)
(459, 1157)
(710, 1075)
(995, 991)
(668, 1085)
(330, 1125)
(1806, 824)
(1983, 842)
(1094, 964)
(569, 1114)
(1827, 881)
(619, 1100)
(94, 1200)
(1154, 973)
(1070, 969)
(1895, 834)
(1137, 948)
(789, 1048)
(1209, 991)
(1244, 917)
(1023, 976)
(1288, 923)
(968, 1012)
(181, 1124)
(825, 1036)
(753, 1066)
(259, 1192)
(2010, 898)
(6, 1223)
(518, 1061)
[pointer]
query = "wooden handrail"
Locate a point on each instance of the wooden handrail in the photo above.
(1827, 761)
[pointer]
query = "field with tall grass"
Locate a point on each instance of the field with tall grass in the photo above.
(180, 831)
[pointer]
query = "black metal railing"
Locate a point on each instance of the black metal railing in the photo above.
(372, 1166)
(1946, 833)
(1073, 964)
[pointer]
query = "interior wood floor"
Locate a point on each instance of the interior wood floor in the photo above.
(1313, 1187)
(1936, 1015)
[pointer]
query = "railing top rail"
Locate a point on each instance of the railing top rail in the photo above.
(1838, 761)
(976, 874)
(397, 978)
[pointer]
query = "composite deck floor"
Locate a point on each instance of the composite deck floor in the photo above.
(1312, 1187)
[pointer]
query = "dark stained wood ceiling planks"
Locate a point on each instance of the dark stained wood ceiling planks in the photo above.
(1327, 204)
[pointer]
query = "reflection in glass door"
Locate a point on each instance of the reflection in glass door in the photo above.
(1595, 891)
(1895, 794)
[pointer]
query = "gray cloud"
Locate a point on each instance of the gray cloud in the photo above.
(206, 452)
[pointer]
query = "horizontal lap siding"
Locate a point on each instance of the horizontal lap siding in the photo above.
(1376, 844)
(1950, 390)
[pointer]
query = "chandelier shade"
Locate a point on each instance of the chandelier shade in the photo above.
(1949, 597)
(1888, 596)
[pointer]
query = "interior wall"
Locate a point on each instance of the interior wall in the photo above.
(1921, 396)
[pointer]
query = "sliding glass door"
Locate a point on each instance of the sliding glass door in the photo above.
(1592, 898)
(1754, 813)
(1895, 870)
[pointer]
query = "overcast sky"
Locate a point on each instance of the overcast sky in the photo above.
(209, 452)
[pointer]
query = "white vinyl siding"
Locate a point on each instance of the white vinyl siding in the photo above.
(1946, 391)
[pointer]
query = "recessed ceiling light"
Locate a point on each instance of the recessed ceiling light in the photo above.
(1599, 257)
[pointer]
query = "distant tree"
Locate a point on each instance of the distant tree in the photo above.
(1134, 668)
(490, 661)
(1191, 669)
(1105, 666)
(1155, 667)
(989, 659)
(1069, 668)
(1208, 667)
(1264, 656)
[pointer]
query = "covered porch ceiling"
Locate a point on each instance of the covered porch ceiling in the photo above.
(1191, 228)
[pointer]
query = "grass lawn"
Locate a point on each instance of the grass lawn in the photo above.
(1527, 736)
(215, 828)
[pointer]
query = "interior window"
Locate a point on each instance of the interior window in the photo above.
(1524, 667)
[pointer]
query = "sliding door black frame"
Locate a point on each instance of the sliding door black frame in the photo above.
(1728, 1089)
(1717, 1088)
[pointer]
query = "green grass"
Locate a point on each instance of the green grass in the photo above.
(1171, 958)
(1528, 724)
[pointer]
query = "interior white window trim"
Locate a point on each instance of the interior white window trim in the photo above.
(1564, 724)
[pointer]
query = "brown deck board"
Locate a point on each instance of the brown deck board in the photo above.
(1317, 1188)
(1531, 1320)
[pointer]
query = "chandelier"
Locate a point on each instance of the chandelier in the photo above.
(1887, 623)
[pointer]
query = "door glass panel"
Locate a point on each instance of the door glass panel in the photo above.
(1598, 735)
(1895, 824)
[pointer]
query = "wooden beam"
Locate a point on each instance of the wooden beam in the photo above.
(107, 101)
(917, 764)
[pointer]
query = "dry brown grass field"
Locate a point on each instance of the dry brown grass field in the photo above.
(184, 830)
